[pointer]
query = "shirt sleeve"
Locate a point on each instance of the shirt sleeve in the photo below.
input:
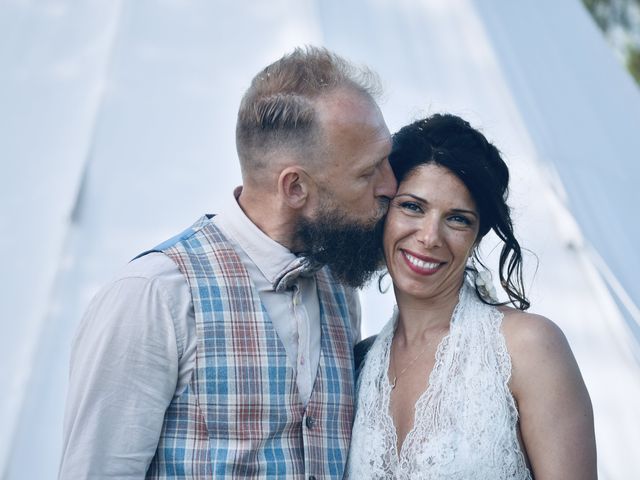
(124, 373)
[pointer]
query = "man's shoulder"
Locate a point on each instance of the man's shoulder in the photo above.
(151, 266)
(360, 352)
(153, 274)
(202, 223)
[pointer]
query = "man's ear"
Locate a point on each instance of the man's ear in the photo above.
(293, 186)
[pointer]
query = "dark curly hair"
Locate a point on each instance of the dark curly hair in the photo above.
(451, 142)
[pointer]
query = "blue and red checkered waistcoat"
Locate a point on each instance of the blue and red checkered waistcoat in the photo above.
(240, 416)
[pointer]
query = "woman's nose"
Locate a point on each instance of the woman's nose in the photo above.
(430, 234)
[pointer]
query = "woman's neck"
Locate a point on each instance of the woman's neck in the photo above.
(419, 318)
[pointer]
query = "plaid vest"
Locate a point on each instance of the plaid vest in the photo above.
(240, 416)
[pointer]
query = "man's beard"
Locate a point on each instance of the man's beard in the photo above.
(353, 251)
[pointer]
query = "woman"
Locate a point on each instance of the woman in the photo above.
(457, 386)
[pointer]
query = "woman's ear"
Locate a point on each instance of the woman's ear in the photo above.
(293, 186)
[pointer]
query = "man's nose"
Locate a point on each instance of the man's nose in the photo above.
(388, 185)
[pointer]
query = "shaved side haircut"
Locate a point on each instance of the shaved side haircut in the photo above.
(277, 112)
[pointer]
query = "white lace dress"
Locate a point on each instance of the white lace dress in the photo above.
(465, 421)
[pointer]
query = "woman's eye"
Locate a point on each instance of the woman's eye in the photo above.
(460, 219)
(411, 206)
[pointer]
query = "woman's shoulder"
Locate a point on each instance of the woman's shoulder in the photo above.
(529, 330)
(538, 348)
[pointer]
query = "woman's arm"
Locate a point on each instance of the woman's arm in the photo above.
(556, 418)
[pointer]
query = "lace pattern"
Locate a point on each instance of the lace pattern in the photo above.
(466, 419)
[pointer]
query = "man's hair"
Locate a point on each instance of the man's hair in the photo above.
(278, 109)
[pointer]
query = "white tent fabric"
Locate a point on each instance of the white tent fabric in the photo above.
(599, 174)
(116, 131)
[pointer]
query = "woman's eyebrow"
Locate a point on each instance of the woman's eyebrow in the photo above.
(423, 200)
(415, 197)
(462, 210)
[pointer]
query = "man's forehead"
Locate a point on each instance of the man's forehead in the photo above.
(347, 105)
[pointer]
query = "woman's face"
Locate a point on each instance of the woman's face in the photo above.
(429, 233)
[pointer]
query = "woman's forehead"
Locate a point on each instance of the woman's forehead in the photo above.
(432, 182)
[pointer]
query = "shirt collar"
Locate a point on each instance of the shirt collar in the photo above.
(269, 256)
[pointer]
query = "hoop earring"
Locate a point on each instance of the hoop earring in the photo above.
(381, 277)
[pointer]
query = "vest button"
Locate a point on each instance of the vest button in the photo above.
(310, 422)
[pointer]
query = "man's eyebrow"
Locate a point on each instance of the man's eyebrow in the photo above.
(375, 165)
(381, 161)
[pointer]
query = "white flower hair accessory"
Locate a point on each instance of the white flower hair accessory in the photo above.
(484, 284)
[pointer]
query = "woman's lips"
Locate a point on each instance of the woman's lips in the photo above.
(421, 264)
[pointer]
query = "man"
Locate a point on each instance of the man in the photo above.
(227, 351)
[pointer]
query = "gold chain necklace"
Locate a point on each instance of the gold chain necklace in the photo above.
(402, 372)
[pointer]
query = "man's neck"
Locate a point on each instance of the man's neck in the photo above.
(268, 215)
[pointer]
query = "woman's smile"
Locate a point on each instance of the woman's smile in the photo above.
(420, 264)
